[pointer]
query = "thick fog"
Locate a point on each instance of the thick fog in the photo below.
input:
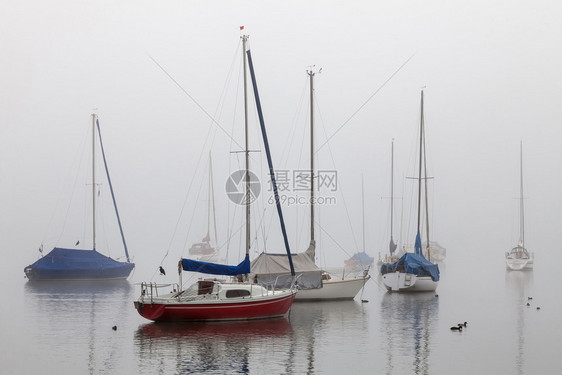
(155, 73)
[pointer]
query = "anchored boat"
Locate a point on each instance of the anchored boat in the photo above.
(219, 300)
(75, 264)
(413, 272)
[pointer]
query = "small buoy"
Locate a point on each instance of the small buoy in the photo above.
(114, 328)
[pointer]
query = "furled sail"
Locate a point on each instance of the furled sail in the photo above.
(216, 269)
(392, 246)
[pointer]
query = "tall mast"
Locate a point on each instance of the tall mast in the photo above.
(247, 152)
(426, 202)
(94, 181)
(209, 201)
(420, 166)
(311, 75)
(363, 210)
(521, 216)
(212, 192)
(112, 193)
(392, 191)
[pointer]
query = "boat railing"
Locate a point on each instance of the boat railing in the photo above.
(293, 282)
(274, 285)
(150, 289)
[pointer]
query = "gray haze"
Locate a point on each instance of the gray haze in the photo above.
(491, 72)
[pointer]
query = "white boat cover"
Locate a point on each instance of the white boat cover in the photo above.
(274, 270)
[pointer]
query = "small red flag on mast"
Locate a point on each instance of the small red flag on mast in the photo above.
(241, 27)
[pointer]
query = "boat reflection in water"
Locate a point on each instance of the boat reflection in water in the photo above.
(325, 328)
(49, 290)
(296, 345)
(71, 325)
(217, 347)
(518, 285)
(408, 321)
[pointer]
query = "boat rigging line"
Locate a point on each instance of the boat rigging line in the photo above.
(366, 101)
(195, 101)
(340, 187)
(332, 238)
(206, 141)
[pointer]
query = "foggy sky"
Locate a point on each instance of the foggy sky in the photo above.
(491, 72)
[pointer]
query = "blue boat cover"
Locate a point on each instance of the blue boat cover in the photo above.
(414, 264)
(216, 269)
(62, 264)
(418, 245)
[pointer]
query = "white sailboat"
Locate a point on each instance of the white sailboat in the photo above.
(314, 283)
(413, 272)
(360, 261)
(203, 250)
(392, 255)
(519, 258)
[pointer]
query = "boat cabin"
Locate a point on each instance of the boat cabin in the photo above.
(202, 248)
(229, 290)
(518, 252)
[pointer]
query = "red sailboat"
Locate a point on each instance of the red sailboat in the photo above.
(216, 300)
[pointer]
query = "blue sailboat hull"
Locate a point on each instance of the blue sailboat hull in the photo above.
(71, 264)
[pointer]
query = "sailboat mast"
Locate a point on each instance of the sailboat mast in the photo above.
(311, 75)
(363, 210)
(94, 181)
(212, 192)
(420, 166)
(521, 216)
(247, 152)
(209, 200)
(426, 202)
(392, 191)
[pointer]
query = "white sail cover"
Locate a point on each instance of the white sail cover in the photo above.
(274, 270)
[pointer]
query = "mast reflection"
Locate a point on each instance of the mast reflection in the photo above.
(518, 285)
(407, 322)
(213, 348)
(75, 311)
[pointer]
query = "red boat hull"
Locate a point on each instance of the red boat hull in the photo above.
(242, 310)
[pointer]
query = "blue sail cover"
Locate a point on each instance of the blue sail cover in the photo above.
(72, 264)
(414, 264)
(418, 245)
(216, 269)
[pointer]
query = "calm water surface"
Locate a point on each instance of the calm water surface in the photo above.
(67, 329)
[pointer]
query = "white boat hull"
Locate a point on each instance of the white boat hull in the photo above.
(407, 282)
(519, 264)
(334, 289)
